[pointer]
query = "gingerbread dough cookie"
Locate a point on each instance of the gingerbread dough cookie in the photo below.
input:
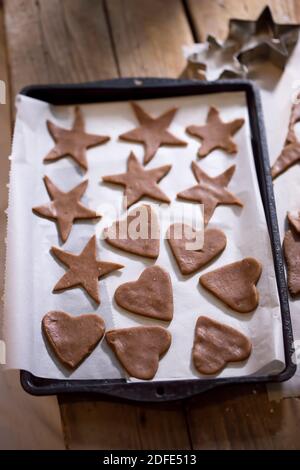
(294, 118)
(291, 248)
(138, 234)
(216, 133)
(139, 349)
(65, 208)
(294, 220)
(216, 345)
(72, 339)
(152, 131)
(210, 191)
(235, 284)
(84, 269)
(151, 295)
(290, 153)
(139, 182)
(74, 142)
(190, 260)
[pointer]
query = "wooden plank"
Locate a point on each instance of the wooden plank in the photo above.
(211, 16)
(65, 41)
(243, 418)
(57, 41)
(148, 36)
(105, 425)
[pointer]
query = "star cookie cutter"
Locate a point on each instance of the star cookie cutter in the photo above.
(247, 42)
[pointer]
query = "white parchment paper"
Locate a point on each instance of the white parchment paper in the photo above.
(32, 272)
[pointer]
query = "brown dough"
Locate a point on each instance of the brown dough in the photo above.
(139, 349)
(235, 284)
(151, 295)
(210, 191)
(188, 260)
(294, 118)
(73, 142)
(120, 236)
(294, 220)
(84, 269)
(216, 344)
(72, 338)
(216, 133)
(290, 153)
(291, 248)
(152, 132)
(65, 207)
(139, 182)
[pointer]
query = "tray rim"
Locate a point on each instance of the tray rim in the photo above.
(116, 90)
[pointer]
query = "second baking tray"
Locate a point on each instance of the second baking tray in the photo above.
(135, 89)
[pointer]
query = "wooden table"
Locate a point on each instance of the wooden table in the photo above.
(44, 41)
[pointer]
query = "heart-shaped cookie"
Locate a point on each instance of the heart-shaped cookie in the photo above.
(235, 284)
(151, 295)
(139, 348)
(190, 260)
(216, 344)
(72, 338)
(137, 234)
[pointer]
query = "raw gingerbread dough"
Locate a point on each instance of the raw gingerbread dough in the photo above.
(216, 133)
(210, 191)
(138, 233)
(290, 153)
(235, 284)
(84, 269)
(294, 220)
(72, 338)
(152, 131)
(291, 248)
(189, 260)
(216, 344)
(151, 295)
(139, 182)
(73, 142)
(65, 207)
(139, 349)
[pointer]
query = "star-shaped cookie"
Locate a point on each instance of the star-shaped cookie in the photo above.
(294, 220)
(210, 191)
(73, 142)
(65, 207)
(216, 133)
(139, 182)
(152, 131)
(84, 269)
(290, 154)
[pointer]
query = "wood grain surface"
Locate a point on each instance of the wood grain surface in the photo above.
(77, 40)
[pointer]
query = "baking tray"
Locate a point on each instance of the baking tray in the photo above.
(142, 88)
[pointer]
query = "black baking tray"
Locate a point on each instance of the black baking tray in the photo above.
(128, 89)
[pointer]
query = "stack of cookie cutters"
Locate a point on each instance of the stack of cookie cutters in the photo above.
(247, 43)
